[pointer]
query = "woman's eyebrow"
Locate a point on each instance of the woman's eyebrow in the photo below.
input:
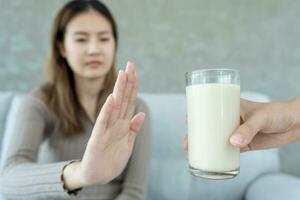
(80, 33)
(85, 33)
(103, 32)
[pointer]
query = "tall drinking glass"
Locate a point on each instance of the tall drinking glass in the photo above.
(213, 114)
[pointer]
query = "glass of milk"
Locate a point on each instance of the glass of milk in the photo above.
(213, 114)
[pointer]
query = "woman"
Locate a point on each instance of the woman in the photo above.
(83, 136)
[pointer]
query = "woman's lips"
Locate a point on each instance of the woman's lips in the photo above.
(94, 64)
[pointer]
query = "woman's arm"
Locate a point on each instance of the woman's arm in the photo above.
(22, 177)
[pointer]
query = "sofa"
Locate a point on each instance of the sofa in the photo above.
(260, 176)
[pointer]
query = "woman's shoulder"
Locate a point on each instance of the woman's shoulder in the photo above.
(33, 101)
(34, 97)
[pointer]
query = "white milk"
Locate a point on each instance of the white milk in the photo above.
(213, 115)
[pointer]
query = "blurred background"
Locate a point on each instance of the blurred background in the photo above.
(167, 38)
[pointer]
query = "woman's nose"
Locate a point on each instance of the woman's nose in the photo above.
(93, 48)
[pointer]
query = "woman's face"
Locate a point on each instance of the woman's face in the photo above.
(89, 45)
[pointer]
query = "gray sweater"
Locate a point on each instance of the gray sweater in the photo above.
(38, 152)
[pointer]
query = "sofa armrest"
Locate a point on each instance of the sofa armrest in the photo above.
(276, 186)
(5, 101)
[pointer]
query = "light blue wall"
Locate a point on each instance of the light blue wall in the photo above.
(166, 38)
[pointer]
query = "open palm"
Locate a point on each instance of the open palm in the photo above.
(112, 140)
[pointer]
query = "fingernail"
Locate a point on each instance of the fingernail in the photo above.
(130, 66)
(237, 139)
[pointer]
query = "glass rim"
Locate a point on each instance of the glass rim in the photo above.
(187, 74)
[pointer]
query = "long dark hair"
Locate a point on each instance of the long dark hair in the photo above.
(59, 90)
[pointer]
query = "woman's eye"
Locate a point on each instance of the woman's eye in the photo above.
(104, 39)
(81, 40)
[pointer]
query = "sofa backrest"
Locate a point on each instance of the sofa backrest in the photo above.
(169, 177)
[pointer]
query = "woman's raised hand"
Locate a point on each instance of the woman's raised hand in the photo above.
(111, 143)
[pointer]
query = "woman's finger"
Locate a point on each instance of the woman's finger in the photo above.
(135, 125)
(104, 115)
(118, 94)
(132, 99)
(137, 122)
(129, 87)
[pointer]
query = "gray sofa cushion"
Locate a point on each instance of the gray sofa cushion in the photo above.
(169, 177)
(290, 159)
(276, 186)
